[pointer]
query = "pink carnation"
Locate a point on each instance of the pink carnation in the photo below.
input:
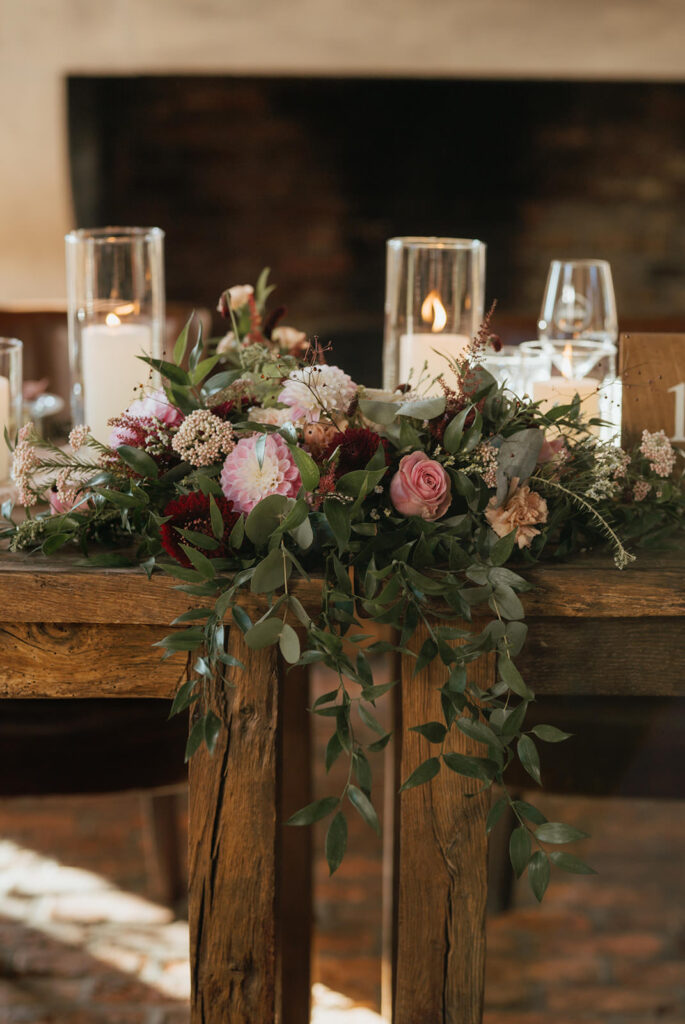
(421, 487)
(245, 482)
(158, 405)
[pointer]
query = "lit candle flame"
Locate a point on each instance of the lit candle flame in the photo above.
(112, 320)
(567, 362)
(433, 310)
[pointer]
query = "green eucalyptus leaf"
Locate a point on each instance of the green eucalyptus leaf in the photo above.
(550, 734)
(315, 811)
(363, 805)
(529, 758)
(309, 471)
(538, 874)
(271, 573)
(263, 634)
(557, 832)
(567, 862)
(336, 842)
(289, 643)
(519, 849)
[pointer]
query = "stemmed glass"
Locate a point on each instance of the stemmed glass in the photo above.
(579, 302)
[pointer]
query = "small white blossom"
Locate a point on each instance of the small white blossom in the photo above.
(203, 438)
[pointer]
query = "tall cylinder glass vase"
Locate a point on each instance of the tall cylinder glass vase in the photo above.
(434, 296)
(11, 402)
(115, 288)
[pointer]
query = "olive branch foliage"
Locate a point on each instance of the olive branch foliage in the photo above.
(422, 579)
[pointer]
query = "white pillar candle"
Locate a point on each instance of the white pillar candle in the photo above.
(417, 349)
(4, 422)
(111, 370)
(562, 391)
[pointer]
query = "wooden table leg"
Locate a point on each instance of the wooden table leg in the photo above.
(441, 874)
(295, 855)
(232, 854)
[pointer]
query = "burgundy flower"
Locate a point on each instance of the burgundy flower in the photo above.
(192, 512)
(357, 447)
(235, 407)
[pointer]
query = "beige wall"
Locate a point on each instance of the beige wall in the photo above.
(42, 41)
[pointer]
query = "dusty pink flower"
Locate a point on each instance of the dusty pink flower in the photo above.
(158, 405)
(421, 487)
(291, 339)
(245, 482)
(551, 450)
(657, 448)
(64, 494)
(521, 511)
(312, 390)
(317, 436)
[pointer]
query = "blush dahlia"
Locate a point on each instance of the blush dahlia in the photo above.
(192, 512)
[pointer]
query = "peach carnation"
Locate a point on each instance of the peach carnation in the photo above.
(521, 511)
(245, 482)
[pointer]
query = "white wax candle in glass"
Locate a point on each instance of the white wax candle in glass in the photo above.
(111, 369)
(429, 348)
(115, 283)
(11, 403)
(562, 389)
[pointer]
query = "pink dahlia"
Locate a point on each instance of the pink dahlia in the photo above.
(245, 482)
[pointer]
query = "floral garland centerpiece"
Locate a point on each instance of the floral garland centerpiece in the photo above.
(258, 462)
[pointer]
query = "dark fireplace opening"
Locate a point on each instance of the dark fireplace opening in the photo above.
(312, 175)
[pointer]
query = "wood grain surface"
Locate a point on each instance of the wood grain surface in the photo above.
(651, 367)
(441, 867)
(58, 590)
(232, 850)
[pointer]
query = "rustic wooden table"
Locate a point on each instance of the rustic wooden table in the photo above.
(72, 632)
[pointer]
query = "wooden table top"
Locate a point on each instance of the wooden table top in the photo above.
(57, 589)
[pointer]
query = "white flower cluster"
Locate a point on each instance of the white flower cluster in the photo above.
(612, 463)
(24, 462)
(203, 438)
(657, 448)
(78, 437)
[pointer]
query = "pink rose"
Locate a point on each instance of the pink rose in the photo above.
(421, 487)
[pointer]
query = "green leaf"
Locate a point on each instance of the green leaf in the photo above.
(241, 618)
(528, 756)
(200, 562)
(429, 650)
(479, 731)
(334, 749)
(195, 738)
(538, 874)
(434, 732)
(361, 802)
(336, 842)
(370, 720)
(424, 773)
(263, 634)
(184, 697)
(289, 643)
(338, 518)
(557, 832)
(235, 537)
(315, 811)
(500, 552)
(216, 518)
(182, 342)
(378, 412)
(138, 460)
(455, 431)
(271, 573)
(380, 744)
(107, 560)
(266, 517)
(259, 449)
(202, 369)
(200, 540)
(519, 849)
(472, 767)
(495, 813)
(550, 733)
(213, 726)
(309, 471)
(506, 603)
(513, 678)
(528, 811)
(567, 862)
(423, 408)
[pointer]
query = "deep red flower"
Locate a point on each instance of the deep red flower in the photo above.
(191, 512)
(357, 447)
(231, 409)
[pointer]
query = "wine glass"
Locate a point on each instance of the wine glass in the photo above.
(579, 302)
